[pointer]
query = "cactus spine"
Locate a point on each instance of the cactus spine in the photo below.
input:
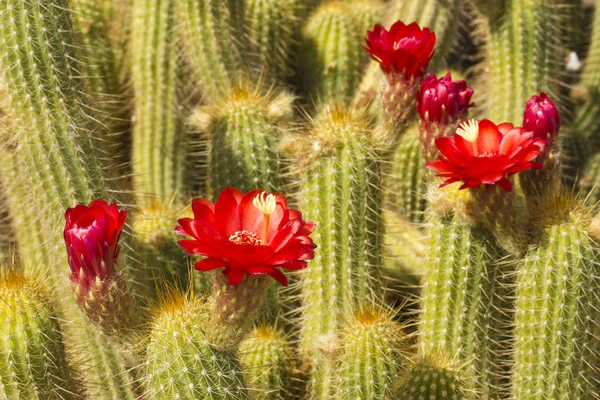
(341, 189)
(556, 347)
(209, 31)
(266, 358)
(524, 58)
(460, 298)
(33, 361)
(158, 131)
(333, 57)
(433, 376)
(370, 356)
(182, 364)
(244, 137)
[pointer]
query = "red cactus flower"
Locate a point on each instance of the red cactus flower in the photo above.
(482, 153)
(541, 117)
(247, 234)
(403, 49)
(443, 100)
(92, 238)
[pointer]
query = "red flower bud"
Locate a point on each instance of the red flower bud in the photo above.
(247, 234)
(482, 153)
(443, 101)
(92, 238)
(405, 49)
(542, 118)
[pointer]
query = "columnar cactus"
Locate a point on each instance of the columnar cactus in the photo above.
(33, 362)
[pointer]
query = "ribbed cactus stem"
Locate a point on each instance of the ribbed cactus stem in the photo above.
(370, 357)
(433, 376)
(244, 133)
(234, 308)
(341, 190)
(156, 244)
(272, 27)
(266, 358)
(523, 59)
(333, 56)
(45, 100)
(181, 362)
(33, 362)
(461, 297)
(556, 346)
(406, 190)
(158, 131)
(101, 78)
(211, 37)
(590, 181)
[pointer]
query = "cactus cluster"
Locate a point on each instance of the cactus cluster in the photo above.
(352, 234)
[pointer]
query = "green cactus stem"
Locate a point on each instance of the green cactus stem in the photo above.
(182, 364)
(45, 100)
(461, 297)
(370, 357)
(523, 58)
(590, 181)
(333, 56)
(211, 35)
(341, 190)
(433, 376)
(273, 27)
(556, 346)
(244, 133)
(33, 361)
(406, 189)
(266, 358)
(158, 130)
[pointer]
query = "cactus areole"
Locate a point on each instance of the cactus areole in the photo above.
(247, 234)
(482, 153)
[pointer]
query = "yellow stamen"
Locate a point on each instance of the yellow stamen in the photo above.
(266, 203)
(469, 130)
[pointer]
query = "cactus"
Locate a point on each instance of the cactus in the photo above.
(266, 358)
(371, 356)
(590, 180)
(555, 350)
(433, 376)
(244, 133)
(333, 57)
(461, 305)
(32, 354)
(341, 188)
(209, 33)
(181, 362)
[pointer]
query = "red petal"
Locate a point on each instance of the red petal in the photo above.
(278, 276)
(489, 137)
(235, 275)
(251, 217)
(505, 184)
(294, 266)
(208, 264)
(227, 213)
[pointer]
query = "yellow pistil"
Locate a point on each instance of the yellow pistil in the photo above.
(469, 130)
(266, 203)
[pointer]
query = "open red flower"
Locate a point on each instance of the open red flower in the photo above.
(247, 234)
(443, 100)
(403, 49)
(482, 153)
(92, 238)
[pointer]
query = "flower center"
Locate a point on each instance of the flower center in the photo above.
(245, 237)
(469, 130)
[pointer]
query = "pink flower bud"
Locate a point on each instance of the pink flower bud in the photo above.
(541, 117)
(442, 101)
